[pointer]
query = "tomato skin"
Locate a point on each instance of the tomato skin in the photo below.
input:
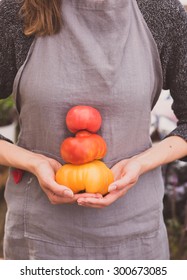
(82, 117)
(84, 171)
(92, 177)
(84, 147)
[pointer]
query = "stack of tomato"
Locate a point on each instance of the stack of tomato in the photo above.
(84, 170)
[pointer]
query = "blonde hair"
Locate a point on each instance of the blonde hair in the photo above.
(41, 17)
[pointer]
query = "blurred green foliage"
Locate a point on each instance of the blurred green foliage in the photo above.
(7, 111)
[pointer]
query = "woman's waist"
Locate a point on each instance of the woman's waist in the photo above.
(54, 153)
(52, 148)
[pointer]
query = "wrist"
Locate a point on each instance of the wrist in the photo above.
(143, 163)
(139, 163)
(18, 157)
(167, 150)
(35, 161)
(146, 161)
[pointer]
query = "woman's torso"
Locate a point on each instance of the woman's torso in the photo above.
(104, 57)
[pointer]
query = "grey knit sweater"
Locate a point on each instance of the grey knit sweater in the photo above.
(167, 21)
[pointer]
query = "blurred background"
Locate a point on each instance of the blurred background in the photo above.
(174, 174)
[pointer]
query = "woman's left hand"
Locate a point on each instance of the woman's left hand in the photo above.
(126, 174)
(127, 171)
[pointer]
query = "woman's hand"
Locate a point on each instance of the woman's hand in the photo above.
(126, 174)
(45, 170)
(127, 171)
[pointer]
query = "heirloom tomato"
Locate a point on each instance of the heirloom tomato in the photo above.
(83, 148)
(92, 177)
(82, 117)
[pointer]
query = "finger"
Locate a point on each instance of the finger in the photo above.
(55, 199)
(91, 203)
(117, 170)
(85, 195)
(55, 164)
(125, 182)
(101, 202)
(59, 190)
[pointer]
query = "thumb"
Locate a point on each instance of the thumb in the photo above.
(60, 190)
(125, 181)
(55, 164)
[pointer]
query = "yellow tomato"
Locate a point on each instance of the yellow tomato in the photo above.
(92, 177)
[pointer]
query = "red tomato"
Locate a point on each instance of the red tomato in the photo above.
(83, 117)
(84, 147)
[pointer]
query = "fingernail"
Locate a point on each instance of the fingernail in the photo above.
(68, 193)
(112, 188)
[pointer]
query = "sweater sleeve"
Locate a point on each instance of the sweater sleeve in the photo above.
(176, 72)
(7, 50)
(167, 21)
(14, 46)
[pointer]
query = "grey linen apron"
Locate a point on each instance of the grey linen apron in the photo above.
(104, 57)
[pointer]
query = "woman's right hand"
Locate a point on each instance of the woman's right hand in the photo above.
(45, 169)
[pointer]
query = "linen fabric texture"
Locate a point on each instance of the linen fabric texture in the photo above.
(105, 57)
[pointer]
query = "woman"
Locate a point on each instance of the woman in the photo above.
(115, 56)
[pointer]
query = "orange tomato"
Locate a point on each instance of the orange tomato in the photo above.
(92, 177)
